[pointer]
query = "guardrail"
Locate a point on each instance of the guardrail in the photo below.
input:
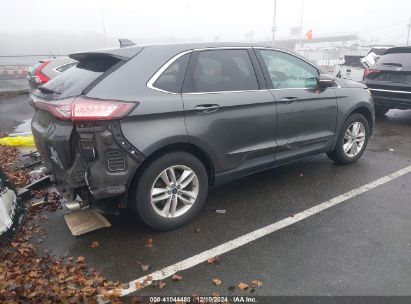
(13, 71)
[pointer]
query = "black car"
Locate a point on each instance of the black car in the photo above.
(390, 80)
(152, 127)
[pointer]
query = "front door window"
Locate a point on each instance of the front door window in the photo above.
(287, 71)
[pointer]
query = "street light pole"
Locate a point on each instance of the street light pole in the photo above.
(408, 35)
(274, 29)
(301, 24)
(103, 23)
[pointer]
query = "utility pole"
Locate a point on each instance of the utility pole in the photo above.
(408, 35)
(188, 16)
(103, 23)
(301, 24)
(274, 28)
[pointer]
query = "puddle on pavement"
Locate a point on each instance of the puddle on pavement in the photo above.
(24, 127)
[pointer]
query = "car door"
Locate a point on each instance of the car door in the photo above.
(306, 115)
(229, 112)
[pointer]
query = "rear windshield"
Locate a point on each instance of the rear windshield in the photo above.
(73, 81)
(354, 61)
(396, 59)
(378, 51)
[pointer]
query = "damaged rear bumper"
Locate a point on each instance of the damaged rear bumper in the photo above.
(90, 161)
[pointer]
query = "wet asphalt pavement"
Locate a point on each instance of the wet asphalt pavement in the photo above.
(14, 109)
(360, 247)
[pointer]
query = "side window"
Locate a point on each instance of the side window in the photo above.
(222, 70)
(171, 80)
(65, 67)
(287, 71)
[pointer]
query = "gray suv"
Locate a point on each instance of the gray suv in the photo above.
(152, 127)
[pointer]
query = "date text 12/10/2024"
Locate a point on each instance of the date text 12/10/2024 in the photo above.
(203, 299)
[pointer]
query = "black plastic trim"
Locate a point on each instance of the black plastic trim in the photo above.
(125, 144)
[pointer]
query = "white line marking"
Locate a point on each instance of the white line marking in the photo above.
(259, 233)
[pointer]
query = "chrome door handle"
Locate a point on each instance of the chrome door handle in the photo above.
(207, 108)
(289, 99)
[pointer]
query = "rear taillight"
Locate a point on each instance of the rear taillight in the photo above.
(91, 109)
(40, 77)
(86, 109)
(61, 110)
(370, 71)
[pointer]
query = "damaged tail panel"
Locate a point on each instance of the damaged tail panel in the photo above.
(79, 137)
(91, 160)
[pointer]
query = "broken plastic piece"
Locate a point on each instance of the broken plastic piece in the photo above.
(8, 202)
(18, 141)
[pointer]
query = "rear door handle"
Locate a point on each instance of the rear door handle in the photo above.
(289, 99)
(207, 108)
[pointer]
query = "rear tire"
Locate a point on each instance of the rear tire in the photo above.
(380, 111)
(171, 191)
(350, 144)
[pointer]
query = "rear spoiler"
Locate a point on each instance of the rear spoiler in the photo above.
(81, 57)
(123, 54)
(126, 42)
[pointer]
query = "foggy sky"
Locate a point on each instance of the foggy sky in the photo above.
(68, 25)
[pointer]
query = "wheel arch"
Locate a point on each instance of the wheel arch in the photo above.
(364, 109)
(183, 147)
(366, 112)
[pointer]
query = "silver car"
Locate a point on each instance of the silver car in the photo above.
(47, 69)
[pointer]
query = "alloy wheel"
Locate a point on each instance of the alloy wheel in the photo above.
(354, 139)
(174, 191)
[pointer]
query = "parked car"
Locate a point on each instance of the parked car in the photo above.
(47, 69)
(152, 127)
(390, 80)
(352, 67)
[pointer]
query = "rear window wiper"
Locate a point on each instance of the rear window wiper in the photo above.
(47, 91)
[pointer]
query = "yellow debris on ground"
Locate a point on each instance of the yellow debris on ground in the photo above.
(18, 141)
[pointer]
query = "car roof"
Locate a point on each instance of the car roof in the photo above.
(130, 51)
(398, 50)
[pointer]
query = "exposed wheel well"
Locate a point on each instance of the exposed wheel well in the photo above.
(367, 114)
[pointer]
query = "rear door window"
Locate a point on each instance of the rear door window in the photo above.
(221, 70)
(65, 67)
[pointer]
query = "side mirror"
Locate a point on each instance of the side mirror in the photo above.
(325, 81)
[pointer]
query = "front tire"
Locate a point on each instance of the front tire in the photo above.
(352, 140)
(171, 191)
